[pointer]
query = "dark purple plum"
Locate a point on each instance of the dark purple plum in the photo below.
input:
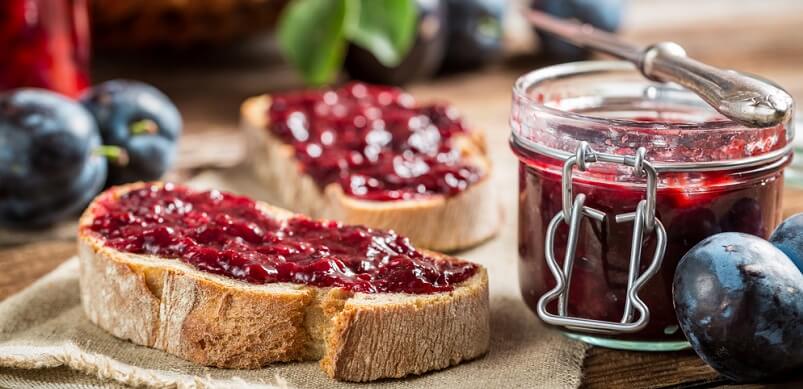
(475, 33)
(48, 169)
(423, 59)
(52, 203)
(139, 126)
(789, 238)
(739, 301)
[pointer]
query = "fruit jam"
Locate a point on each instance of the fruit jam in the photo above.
(712, 175)
(229, 235)
(374, 141)
(690, 212)
(45, 44)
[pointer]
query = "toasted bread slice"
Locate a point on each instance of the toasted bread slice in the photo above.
(219, 321)
(438, 222)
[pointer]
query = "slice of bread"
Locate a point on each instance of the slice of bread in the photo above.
(219, 321)
(439, 222)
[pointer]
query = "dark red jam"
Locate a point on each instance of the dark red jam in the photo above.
(374, 141)
(228, 235)
(692, 206)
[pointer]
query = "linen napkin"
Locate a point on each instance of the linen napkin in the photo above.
(46, 341)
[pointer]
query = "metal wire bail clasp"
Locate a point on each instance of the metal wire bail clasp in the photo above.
(574, 209)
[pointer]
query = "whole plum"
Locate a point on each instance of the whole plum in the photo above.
(789, 238)
(739, 301)
(48, 168)
(139, 126)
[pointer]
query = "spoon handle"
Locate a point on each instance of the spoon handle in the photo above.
(747, 100)
(742, 98)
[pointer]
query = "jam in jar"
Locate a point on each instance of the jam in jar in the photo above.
(711, 175)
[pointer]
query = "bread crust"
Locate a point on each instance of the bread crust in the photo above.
(439, 223)
(217, 321)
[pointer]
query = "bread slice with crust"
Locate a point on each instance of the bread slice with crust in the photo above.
(219, 321)
(439, 222)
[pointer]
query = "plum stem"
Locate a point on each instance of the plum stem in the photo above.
(114, 154)
(143, 126)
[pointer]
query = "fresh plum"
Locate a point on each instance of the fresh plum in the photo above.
(789, 238)
(139, 126)
(739, 301)
(48, 169)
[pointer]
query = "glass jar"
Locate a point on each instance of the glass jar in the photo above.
(44, 44)
(618, 178)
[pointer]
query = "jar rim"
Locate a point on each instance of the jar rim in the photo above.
(526, 83)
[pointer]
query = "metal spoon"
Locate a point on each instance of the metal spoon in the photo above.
(741, 98)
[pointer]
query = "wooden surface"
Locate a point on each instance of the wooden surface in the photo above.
(758, 36)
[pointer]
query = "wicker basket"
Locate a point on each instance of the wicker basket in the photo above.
(178, 23)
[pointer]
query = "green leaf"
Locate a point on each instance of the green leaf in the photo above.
(386, 28)
(311, 35)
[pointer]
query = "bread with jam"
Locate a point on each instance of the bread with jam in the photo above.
(225, 281)
(371, 155)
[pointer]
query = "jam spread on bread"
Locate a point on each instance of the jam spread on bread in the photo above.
(230, 235)
(374, 141)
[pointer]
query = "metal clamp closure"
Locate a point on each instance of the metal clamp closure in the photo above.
(574, 209)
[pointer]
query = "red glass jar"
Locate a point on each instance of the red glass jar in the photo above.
(44, 44)
(711, 175)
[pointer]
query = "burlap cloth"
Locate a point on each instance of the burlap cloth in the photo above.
(45, 340)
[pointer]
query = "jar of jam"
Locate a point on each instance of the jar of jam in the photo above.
(619, 177)
(44, 44)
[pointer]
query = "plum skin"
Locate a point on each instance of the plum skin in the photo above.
(48, 169)
(739, 301)
(788, 237)
(117, 105)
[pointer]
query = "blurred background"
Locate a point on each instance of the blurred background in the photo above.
(214, 53)
(208, 56)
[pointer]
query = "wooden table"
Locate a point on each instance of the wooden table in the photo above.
(208, 89)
